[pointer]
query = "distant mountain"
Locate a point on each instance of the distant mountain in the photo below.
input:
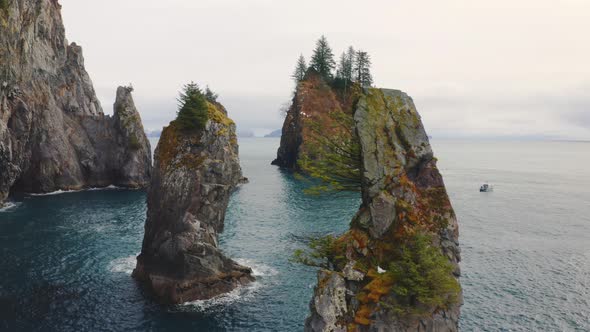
(153, 133)
(276, 133)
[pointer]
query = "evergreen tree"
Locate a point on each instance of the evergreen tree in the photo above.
(323, 59)
(210, 95)
(192, 109)
(362, 69)
(345, 67)
(300, 70)
(345, 71)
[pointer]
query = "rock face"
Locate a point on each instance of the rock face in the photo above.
(194, 174)
(53, 133)
(313, 100)
(403, 194)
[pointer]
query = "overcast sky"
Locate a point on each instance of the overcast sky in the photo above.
(474, 68)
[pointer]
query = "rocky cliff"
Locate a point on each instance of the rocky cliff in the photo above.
(397, 268)
(53, 133)
(313, 102)
(194, 174)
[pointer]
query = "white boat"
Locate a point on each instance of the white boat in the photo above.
(485, 188)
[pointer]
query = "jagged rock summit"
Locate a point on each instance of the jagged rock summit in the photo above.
(53, 133)
(194, 174)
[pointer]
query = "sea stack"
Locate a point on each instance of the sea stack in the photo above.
(397, 268)
(53, 132)
(195, 172)
(405, 233)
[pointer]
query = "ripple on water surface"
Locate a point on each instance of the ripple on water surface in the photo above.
(67, 259)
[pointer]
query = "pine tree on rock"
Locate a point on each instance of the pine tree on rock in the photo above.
(322, 59)
(362, 69)
(345, 67)
(300, 70)
(210, 95)
(193, 112)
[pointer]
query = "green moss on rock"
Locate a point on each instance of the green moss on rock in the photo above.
(168, 145)
(134, 143)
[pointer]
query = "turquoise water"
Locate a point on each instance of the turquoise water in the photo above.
(67, 259)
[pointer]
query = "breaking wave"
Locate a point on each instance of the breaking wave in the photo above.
(123, 264)
(59, 192)
(240, 294)
(258, 270)
(9, 206)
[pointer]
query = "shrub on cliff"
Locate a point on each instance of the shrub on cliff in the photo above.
(322, 252)
(192, 109)
(333, 154)
(422, 276)
(334, 161)
(418, 276)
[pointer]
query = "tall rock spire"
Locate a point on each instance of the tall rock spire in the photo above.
(397, 268)
(194, 174)
(53, 133)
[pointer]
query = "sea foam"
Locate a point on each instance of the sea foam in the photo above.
(123, 264)
(240, 294)
(9, 207)
(59, 192)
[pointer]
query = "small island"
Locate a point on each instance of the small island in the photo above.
(397, 268)
(196, 167)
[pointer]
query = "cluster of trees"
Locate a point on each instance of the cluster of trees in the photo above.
(193, 112)
(354, 65)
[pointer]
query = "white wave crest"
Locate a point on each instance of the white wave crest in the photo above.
(240, 294)
(123, 264)
(111, 187)
(258, 270)
(59, 192)
(9, 206)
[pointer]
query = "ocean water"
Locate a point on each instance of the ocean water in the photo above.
(67, 259)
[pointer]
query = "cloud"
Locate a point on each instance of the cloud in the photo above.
(551, 116)
(473, 67)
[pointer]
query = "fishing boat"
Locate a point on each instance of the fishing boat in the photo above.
(486, 187)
